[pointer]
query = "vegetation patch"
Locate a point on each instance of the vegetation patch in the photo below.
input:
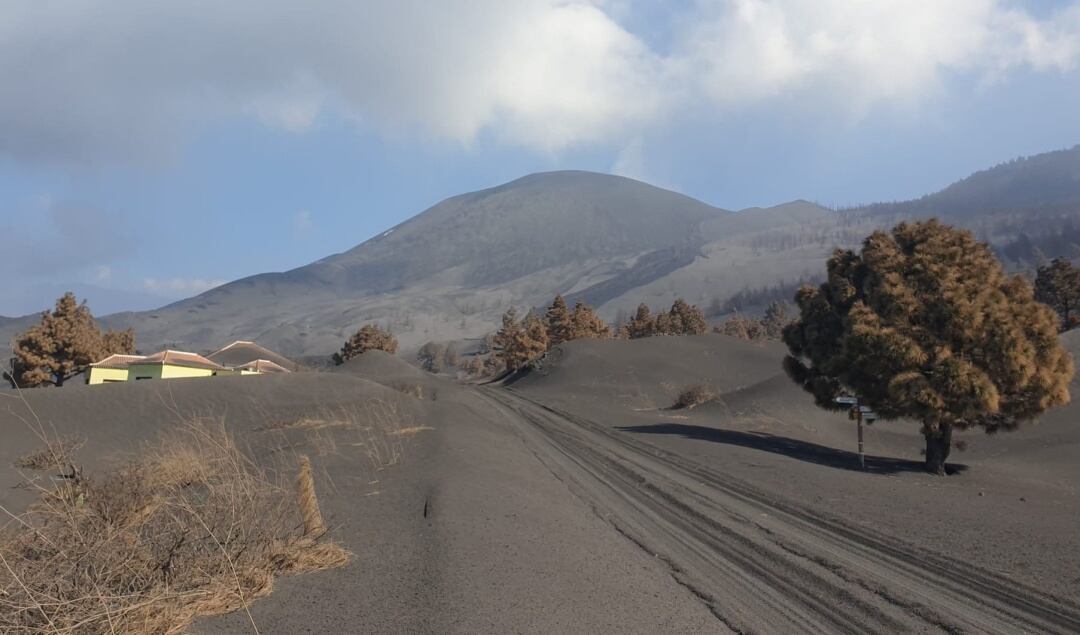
(56, 455)
(191, 527)
(693, 396)
(407, 388)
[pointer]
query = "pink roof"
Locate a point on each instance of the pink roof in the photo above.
(264, 366)
(180, 358)
(117, 360)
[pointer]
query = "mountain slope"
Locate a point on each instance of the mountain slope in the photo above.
(451, 271)
(1051, 178)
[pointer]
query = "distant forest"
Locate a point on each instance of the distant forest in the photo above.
(755, 299)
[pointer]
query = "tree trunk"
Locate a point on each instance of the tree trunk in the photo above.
(938, 444)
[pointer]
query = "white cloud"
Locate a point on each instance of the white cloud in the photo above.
(180, 287)
(862, 52)
(88, 80)
(103, 273)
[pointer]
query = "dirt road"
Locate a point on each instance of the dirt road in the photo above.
(768, 565)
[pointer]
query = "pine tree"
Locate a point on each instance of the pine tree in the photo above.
(558, 321)
(432, 357)
(451, 355)
(641, 325)
(533, 339)
(775, 319)
(369, 337)
(508, 341)
(735, 326)
(1058, 286)
(63, 344)
(924, 324)
(586, 324)
(686, 319)
(662, 324)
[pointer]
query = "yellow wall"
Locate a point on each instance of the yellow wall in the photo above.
(165, 371)
(104, 375)
(173, 372)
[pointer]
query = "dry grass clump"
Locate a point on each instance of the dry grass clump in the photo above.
(191, 527)
(693, 396)
(56, 455)
(411, 389)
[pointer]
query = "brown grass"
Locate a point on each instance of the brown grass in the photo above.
(56, 455)
(410, 431)
(406, 388)
(377, 427)
(191, 527)
(693, 396)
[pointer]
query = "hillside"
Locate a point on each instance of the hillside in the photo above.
(1023, 183)
(452, 270)
(449, 272)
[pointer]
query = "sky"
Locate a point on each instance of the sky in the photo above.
(151, 151)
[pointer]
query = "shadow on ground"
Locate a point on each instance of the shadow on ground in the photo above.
(794, 448)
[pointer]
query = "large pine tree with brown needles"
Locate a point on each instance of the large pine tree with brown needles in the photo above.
(63, 344)
(560, 325)
(924, 324)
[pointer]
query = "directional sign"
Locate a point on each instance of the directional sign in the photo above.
(850, 401)
(865, 409)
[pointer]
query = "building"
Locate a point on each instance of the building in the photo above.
(262, 367)
(170, 364)
(239, 358)
(113, 368)
(243, 352)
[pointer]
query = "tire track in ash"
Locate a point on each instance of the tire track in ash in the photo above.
(771, 565)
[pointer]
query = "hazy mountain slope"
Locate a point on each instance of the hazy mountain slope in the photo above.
(452, 270)
(1023, 183)
(536, 222)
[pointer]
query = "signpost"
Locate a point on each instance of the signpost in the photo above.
(860, 412)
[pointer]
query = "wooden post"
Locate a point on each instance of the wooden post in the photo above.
(862, 457)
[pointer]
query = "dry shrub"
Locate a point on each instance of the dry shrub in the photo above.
(693, 396)
(57, 454)
(191, 527)
(413, 390)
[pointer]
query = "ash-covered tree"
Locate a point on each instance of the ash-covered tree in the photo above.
(743, 328)
(432, 357)
(369, 337)
(63, 344)
(534, 339)
(685, 319)
(559, 322)
(1058, 286)
(642, 324)
(586, 324)
(774, 321)
(451, 355)
(768, 327)
(924, 324)
(518, 342)
(506, 345)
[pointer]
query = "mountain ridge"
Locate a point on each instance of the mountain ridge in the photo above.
(449, 271)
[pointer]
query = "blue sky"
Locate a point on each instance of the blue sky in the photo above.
(148, 155)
